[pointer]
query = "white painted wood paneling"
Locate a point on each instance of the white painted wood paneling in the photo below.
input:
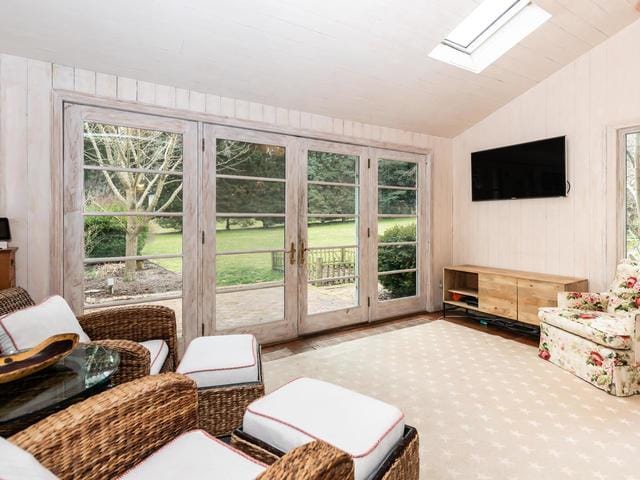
(25, 151)
(361, 60)
(14, 156)
(575, 235)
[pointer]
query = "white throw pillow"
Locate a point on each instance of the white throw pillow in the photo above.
(18, 464)
(28, 327)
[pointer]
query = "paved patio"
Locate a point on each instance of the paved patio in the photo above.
(267, 305)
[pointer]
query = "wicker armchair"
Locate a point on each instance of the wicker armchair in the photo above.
(110, 433)
(120, 329)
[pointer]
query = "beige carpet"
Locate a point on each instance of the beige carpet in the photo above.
(486, 408)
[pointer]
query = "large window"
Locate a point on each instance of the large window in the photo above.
(630, 146)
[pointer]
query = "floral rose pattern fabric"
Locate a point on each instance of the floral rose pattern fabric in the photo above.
(609, 369)
(597, 336)
(583, 301)
(624, 292)
(606, 329)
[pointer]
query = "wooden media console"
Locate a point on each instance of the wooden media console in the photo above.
(510, 294)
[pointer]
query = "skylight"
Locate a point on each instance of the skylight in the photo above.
(491, 30)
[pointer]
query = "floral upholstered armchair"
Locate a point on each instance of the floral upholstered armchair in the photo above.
(596, 336)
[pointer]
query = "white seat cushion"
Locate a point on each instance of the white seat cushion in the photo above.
(28, 327)
(221, 360)
(196, 455)
(159, 351)
(307, 409)
(18, 464)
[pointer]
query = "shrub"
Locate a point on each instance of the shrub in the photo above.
(105, 237)
(398, 258)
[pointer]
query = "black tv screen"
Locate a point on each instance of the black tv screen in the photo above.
(528, 170)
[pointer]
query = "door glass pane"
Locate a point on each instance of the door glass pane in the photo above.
(249, 268)
(632, 194)
(126, 147)
(154, 187)
(111, 236)
(396, 285)
(332, 167)
(397, 236)
(331, 199)
(143, 192)
(393, 201)
(244, 295)
(110, 281)
(249, 307)
(324, 232)
(394, 229)
(250, 159)
(396, 257)
(244, 233)
(332, 255)
(330, 296)
(394, 173)
(249, 196)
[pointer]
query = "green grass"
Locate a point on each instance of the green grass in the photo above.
(255, 267)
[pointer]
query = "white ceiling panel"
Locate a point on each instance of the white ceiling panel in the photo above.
(363, 60)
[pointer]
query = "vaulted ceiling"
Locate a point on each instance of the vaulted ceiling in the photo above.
(363, 60)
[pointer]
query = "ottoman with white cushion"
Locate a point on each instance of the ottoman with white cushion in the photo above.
(196, 454)
(228, 372)
(372, 432)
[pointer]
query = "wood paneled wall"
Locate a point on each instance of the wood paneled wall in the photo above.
(26, 120)
(576, 235)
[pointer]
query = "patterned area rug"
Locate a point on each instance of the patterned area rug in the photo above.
(486, 408)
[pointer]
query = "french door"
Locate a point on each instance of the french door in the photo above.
(400, 242)
(333, 236)
(129, 212)
(239, 230)
(303, 235)
(250, 233)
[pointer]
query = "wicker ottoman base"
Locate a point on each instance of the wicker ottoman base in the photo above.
(220, 409)
(402, 463)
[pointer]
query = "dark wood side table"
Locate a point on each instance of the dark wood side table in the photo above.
(83, 373)
(8, 268)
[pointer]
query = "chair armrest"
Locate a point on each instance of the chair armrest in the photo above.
(106, 435)
(313, 461)
(139, 323)
(135, 360)
(594, 302)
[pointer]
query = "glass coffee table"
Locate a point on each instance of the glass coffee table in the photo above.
(83, 373)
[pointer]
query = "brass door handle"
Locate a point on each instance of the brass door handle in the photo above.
(292, 254)
(302, 250)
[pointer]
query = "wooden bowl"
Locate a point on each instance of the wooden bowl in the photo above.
(43, 355)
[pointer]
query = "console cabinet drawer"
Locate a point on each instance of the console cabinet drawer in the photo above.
(533, 295)
(498, 295)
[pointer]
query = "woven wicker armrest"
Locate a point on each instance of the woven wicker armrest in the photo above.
(135, 360)
(12, 299)
(106, 435)
(139, 323)
(313, 461)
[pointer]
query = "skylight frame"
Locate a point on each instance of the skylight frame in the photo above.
(498, 22)
(523, 18)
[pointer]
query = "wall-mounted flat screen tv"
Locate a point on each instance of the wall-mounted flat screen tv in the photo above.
(528, 170)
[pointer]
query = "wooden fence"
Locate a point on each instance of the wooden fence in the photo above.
(324, 264)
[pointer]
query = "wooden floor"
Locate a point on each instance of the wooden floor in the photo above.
(317, 341)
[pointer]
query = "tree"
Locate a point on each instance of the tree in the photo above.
(133, 188)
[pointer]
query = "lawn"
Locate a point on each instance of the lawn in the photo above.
(254, 267)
